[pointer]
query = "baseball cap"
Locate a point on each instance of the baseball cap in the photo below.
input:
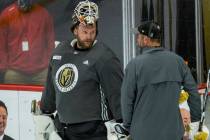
(150, 29)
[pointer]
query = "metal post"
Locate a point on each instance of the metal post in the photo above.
(199, 40)
(129, 50)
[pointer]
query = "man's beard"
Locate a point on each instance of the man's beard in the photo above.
(85, 44)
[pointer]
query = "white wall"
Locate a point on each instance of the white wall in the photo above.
(20, 122)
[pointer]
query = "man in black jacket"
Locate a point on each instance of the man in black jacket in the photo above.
(3, 122)
(151, 90)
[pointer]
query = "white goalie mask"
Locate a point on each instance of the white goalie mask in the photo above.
(86, 12)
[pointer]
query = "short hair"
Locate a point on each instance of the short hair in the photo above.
(2, 104)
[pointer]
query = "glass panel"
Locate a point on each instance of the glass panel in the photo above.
(180, 20)
(28, 38)
(186, 41)
(206, 38)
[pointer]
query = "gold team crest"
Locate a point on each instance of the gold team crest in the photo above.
(66, 77)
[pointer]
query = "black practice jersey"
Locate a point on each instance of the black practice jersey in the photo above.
(83, 85)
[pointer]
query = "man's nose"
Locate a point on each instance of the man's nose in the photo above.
(88, 36)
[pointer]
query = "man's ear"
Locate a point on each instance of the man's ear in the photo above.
(146, 40)
(75, 31)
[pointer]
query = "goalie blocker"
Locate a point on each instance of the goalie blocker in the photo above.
(46, 130)
(46, 124)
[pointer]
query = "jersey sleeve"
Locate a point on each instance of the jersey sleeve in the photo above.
(48, 96)
(110, 77)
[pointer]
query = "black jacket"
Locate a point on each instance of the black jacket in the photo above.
(6, 137)
(150, 94)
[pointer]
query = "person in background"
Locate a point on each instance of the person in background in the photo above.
(27, 40)
(151, 89)
(3, 122)
(5, 3)
(84, 80)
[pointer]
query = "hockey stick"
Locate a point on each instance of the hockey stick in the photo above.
(205, 103)
(201, 135)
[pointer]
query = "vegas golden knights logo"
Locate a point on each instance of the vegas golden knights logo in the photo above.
(66, 77)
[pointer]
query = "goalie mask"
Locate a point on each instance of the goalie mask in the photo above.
(86, 12)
